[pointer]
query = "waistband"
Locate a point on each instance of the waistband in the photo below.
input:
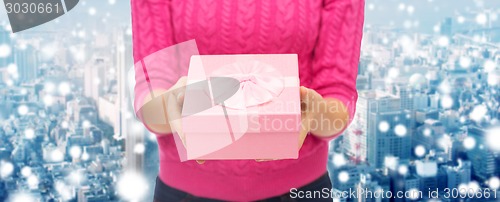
(203, 183)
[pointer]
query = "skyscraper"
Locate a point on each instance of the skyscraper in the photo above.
(381, 128)
(6, 45)
(94, 77)
(27, 61)
(482, 159)
(459, 175)
(446, 27)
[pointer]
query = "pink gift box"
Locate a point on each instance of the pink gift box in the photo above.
(241, 107)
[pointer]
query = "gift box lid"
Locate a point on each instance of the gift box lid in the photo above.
(240, 90)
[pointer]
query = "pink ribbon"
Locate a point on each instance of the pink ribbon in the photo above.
(259, 83)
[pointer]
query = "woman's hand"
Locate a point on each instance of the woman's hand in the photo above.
(163, 110)
(309, 98)
(175, 102)
(317, 115)
(322, 117)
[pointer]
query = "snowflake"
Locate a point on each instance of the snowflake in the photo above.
(63, 190)
(446, 102)
(12, 69)
(493, 138)
(493, 16)
(56, 155)
(21, 197)
(445, 87)
(22, 110)
(478, 113)
(393, 73)
(82, 35)
(493, 79)
(64, 88)
(420, 151)
(494, 183)
(49, 87)
(383, 126)
(75, 152)
(49, 50)
(462, 188)
(391, 162)
(343, 176)
(476, 38)
(26, 171)
(48, 100)
(75, 177)
(400, 130)
(465, 62)
(436, 28)
(481, 18)
(132, 186)
(489, 66)
(407, 24)
(85, 156)
(402, 6)
(64, 124)
(29, 133)
(92, 11)
(6, 169)
(461, 19)
(371, 6)
(385, 40)
(410, 9)
(427, 132)
(408, 44)
(443, 41)
(86, 124)
(469, 143)
(413, 194)
(339, 160)
(9, 82)
(33, 182)
(426, 169)
(139, 148)
(445, 142)
(403, 169)
(473, 187)
(5, 51)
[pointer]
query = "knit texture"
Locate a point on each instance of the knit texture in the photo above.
(326, 35)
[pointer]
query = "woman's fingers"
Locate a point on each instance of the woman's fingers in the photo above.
(180, 98)
(263, 160)
(303, 98)
(174, 116)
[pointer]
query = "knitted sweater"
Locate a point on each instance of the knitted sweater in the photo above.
(326, 35)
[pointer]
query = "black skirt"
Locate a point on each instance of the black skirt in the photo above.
(165, 193)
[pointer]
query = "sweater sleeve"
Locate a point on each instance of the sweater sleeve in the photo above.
(336, 55)
(151, 32)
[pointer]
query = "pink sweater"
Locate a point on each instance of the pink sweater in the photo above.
(326, 35)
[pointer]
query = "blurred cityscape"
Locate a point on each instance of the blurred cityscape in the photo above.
(427, 114)
(65, 109)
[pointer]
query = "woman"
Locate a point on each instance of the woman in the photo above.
(326, 35)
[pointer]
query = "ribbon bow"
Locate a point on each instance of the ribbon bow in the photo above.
(259, 83)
